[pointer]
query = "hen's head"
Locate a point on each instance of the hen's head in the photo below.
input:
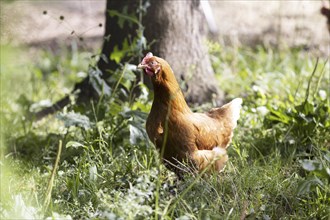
(150, 64)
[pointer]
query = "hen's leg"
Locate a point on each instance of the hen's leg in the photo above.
(216, 157)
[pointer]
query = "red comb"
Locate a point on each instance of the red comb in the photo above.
(147, 57)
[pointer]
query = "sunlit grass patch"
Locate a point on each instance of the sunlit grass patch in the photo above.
(279, 159)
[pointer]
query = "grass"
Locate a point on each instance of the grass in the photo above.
(279, 159)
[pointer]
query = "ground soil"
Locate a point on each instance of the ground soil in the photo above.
(274, 23)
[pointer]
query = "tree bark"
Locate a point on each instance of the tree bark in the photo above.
(115, 35)
(179, 29)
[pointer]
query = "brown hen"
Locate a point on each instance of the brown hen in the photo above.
(180, 134)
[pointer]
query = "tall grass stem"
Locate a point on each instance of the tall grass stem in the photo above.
(52, 177)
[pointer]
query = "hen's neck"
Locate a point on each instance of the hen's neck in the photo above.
(167, 93)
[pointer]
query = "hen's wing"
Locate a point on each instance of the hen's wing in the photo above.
(215, 128)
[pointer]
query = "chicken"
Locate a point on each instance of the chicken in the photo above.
(180, 134)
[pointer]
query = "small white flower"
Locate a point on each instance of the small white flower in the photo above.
(255, 88)
(92, 173)
(263, 208)
(81, 74)
(262, 110)
(323, 94)
(60, 172)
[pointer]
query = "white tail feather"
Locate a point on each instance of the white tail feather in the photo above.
(235, 106)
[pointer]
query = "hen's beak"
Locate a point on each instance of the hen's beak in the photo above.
(142, 66)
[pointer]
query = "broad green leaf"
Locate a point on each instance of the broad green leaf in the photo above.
(308, 165)
(306, 108)
(98, 83)
(74, 119)
(115, 108)
(123, 17)
(117, 54)
(135, 134)
(305, 186)
(279, 116)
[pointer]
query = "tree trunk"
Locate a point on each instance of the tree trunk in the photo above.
(179, 29)
(115, 35)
